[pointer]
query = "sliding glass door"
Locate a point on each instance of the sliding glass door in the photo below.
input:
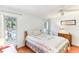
(9, 28)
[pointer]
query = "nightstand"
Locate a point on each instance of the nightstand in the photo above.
(67, 36)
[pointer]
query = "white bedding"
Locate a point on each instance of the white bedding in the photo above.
(47, 43)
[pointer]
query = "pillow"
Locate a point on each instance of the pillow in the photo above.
(36, 32)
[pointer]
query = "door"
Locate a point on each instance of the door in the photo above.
(9, 29)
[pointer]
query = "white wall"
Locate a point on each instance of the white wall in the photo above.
(32, 22)
(73, 29)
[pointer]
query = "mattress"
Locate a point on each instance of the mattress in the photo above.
(47, 43)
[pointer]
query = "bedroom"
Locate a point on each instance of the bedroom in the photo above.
(37, 19)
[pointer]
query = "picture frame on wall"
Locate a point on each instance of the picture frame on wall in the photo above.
(68, 22)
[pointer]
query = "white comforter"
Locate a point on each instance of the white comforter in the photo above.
(48, 43)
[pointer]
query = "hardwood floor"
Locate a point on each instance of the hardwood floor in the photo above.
(24, 49)
(73, 49)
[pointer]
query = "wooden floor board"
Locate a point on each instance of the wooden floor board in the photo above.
(24, 49)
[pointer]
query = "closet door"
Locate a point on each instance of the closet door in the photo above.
(9, 29)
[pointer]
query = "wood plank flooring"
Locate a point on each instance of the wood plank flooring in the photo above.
(24, 49)
(73, 49)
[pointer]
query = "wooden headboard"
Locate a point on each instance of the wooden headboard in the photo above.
(25, 34)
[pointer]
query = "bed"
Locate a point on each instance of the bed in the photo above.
(46, 44)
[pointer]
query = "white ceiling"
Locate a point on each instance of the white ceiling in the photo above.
(36, 10)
